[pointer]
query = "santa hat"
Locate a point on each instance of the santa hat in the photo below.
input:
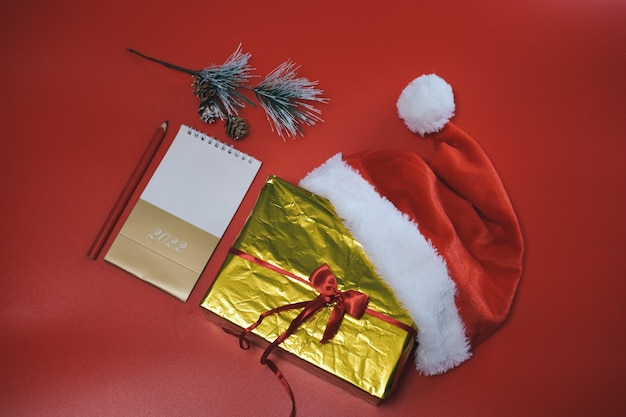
(441, 231)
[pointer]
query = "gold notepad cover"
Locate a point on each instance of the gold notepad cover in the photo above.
(176, 224)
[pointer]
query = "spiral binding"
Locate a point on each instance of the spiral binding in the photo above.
(220, 145)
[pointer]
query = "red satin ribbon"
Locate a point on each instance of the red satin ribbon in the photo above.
(351, 302)
(324, 281)
(409, 329)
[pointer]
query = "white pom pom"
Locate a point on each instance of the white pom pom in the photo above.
(426, 104)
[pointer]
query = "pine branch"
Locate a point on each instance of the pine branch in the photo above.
(227, 79)
(284, 98)
(217, 82)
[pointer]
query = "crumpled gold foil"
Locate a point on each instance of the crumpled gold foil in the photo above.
(298, 231)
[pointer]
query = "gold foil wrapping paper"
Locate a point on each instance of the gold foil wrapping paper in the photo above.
(298, 231)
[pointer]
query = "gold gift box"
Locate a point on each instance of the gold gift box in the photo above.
(297, 231)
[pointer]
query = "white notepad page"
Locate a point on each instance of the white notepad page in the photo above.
(201, 180)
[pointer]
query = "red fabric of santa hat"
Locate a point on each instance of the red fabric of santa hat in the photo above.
(441, 232)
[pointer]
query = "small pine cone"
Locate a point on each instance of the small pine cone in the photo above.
(202, 88)
(236, 127)
(209, 111)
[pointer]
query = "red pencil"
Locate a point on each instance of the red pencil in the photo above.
(127, 192)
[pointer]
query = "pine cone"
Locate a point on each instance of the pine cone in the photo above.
(236, 127)
(209, 111)
(202, 88)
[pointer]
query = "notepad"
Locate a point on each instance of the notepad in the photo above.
(183, 212)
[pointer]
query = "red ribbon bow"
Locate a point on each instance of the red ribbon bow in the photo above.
(351, 301)
(324, 281)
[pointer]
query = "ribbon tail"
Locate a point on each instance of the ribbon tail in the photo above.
(283, 381)
(243, 342)
(311, 308)
(334, 322)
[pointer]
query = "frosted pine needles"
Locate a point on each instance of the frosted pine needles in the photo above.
(287, 99)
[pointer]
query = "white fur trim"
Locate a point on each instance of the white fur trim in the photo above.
(426, 104)
(403, 258)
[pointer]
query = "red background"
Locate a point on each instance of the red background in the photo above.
(539, 84)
